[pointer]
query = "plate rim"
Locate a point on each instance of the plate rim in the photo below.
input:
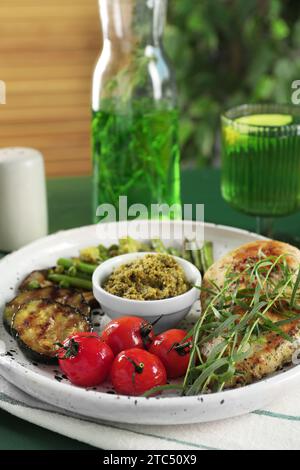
(53, 235)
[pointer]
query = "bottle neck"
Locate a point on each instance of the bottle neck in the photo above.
(129, 24)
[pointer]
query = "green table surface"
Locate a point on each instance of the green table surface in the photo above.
(70, 206)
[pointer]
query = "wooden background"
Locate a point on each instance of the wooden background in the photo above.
(48, 49)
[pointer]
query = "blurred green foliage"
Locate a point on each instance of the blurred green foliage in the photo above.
(226, 53)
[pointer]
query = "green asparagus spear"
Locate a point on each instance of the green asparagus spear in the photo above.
(69, 281)
(72, 271)
(207, 255)
(75, 273)
(76, 263)
(196, 254)
(186, 252)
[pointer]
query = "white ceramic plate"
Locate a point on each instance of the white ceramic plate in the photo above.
(47, 384)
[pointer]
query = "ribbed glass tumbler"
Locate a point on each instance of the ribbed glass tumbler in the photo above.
(261, 161)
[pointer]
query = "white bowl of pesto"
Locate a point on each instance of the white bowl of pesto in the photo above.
(170, 310)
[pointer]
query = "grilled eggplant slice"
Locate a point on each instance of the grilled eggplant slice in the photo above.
(90, 299)
(36, 280)
(13, 306)
(64, 296)
(39, 279)
(39, 324)
(71, 297)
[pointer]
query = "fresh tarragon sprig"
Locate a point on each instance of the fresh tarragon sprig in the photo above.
(236, 318)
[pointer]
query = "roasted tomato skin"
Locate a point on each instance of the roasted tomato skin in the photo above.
(91, 361)
(126, 333)
(136, 371)
(173, 351)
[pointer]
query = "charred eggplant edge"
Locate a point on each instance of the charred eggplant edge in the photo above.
(29, 352)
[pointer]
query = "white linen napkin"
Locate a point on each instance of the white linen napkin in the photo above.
(277, 427)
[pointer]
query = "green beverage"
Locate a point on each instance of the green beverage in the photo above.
(136, 155)
(261, 159)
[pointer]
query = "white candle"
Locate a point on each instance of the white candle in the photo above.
(23, 200)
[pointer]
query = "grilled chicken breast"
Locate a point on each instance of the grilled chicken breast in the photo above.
(275, 351)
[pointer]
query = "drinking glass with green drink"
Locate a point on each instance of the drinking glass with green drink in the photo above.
(135, 117)
(261, 161)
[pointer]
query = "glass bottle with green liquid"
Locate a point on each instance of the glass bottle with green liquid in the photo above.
(135, 118)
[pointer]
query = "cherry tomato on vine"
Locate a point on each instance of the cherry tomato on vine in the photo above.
(135, 371)
(85, 359)
(173, 351)
(127, 332)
